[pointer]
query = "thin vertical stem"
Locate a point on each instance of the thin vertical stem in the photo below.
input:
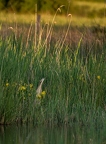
(35, 26)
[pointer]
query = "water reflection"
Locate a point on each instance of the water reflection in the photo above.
(51, 135)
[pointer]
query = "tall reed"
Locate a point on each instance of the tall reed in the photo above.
(74, 82)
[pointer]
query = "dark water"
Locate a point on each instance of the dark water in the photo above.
(51, 135)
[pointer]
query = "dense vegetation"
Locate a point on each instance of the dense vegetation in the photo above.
(71, 60)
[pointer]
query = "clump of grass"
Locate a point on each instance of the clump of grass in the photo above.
(74, 85)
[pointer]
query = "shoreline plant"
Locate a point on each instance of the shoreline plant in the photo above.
(75, 79)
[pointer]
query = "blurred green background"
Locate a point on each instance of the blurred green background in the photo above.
(87, 8)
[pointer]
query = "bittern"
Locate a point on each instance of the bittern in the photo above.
(39, 89)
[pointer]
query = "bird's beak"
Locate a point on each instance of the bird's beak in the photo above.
(42, 80)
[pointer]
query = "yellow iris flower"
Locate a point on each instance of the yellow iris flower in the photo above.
(98, 77)
(7, 84)
(41, 95)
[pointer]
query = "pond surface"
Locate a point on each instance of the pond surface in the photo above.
(51, 135)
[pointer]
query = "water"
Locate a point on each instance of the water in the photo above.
(51, 135)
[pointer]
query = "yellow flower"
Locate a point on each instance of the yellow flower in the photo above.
(38, 96)
(7, 84)
(31, 85)
(98, 77)
(22, 88)
(43, 93)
